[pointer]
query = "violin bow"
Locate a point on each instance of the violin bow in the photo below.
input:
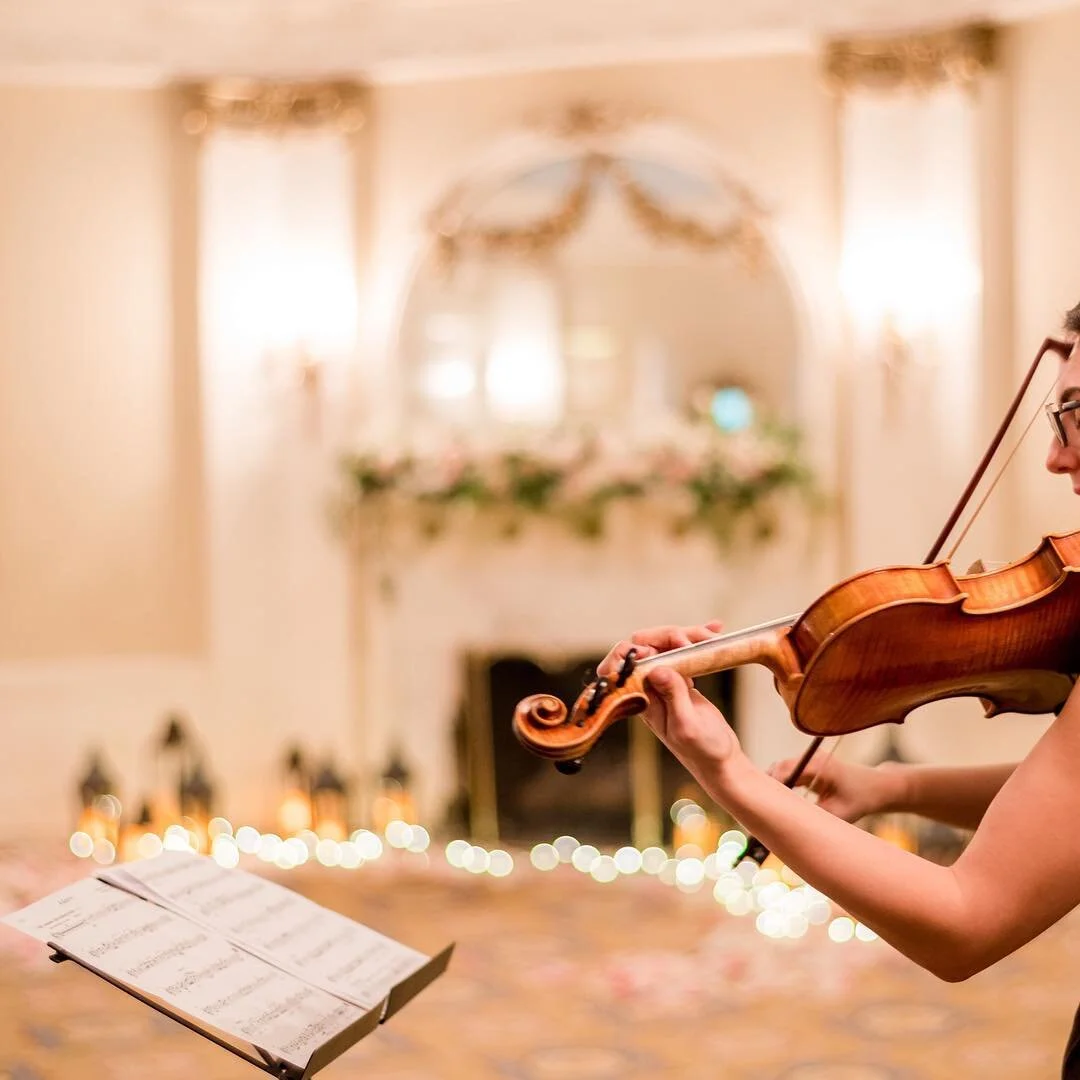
(755, 849)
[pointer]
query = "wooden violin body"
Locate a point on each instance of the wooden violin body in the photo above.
(872, 649)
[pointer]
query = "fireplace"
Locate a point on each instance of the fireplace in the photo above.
(432, 620)
(623, 792)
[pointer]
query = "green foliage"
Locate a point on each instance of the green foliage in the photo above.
(698, 478)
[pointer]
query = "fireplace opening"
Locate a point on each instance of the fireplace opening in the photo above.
(624, 791)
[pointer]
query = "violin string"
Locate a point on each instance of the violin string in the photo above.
(998, 475)
(810, 788)
(722, 638)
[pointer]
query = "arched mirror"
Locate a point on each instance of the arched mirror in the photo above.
(611, 279)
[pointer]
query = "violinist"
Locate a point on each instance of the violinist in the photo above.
(955, 920)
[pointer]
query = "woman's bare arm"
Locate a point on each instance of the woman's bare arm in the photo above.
(1019, 874)
(955, 795)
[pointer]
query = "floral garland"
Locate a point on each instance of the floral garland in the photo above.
(695, 478)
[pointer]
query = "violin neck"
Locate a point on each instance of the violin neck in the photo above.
(765, 644)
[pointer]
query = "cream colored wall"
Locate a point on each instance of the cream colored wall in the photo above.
(1042, 60)
(102, 589)
(99, 485)
(1029, 214)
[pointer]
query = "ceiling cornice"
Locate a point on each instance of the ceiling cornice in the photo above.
(146, 42)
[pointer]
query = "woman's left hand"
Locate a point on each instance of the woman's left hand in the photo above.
(646, 643)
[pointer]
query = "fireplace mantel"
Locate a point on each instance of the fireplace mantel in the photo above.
(423, 607)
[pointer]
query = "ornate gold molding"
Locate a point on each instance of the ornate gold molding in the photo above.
(583, 120)
(275, 106)
(455, 235)
(913, 61)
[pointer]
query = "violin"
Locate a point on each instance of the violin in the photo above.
(875, 646)
(870, 650)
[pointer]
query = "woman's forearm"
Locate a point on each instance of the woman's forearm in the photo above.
(916, 906)
(955, 795)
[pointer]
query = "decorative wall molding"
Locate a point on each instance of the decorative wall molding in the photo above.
(596, 132)
(958, 55)
(275, 106)
(587, 120)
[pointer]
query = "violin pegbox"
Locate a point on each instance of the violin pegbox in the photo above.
(545, 726)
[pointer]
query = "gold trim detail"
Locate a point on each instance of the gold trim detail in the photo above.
(586, 120)
(918, 61)
(275, 106)
(456, 236)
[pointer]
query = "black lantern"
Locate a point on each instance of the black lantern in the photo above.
(197, 794)
(99, 817)
(394, 801)
(329, 801)
(295, 809)
(172, 765)
(132, 833)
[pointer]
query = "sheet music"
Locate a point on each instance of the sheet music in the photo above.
(189, 967)
(56, 915)
(325, 948)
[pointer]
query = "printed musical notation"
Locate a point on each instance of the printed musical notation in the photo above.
(318, 945)
(240, 954)
(189, 967)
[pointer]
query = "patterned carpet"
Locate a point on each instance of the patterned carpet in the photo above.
(557, 977)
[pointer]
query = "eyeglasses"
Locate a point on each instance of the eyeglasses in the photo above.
(1053, 414)
(1053, 409)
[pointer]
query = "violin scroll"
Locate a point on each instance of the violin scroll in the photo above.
(542, 710)
(544, 725)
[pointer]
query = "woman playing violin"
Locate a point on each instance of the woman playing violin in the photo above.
(955, 920)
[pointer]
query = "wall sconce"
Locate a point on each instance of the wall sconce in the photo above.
(279, 276)
(910, 263)
(315, 323)
(904, 284)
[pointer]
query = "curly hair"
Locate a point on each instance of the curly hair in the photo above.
(1072, 320)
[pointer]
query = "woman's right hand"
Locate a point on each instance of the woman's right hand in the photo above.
(848, 790)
